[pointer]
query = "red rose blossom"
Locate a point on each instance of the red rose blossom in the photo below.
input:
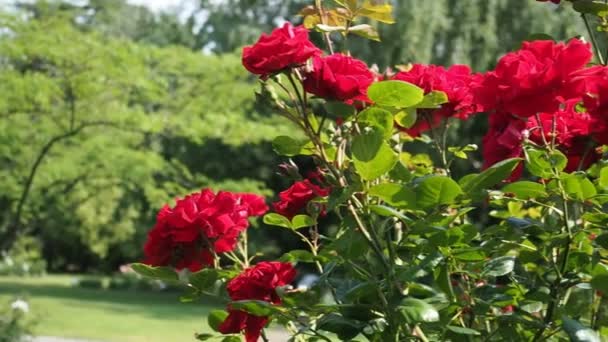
(532, 79)
(454, 81)
(285, 47)
(503, 141)
(255, 283)
(592, 85)
(295, 199)
(201, 223)
(339, 77)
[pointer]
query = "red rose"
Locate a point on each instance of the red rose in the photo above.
(285, 47)
(201, 223)
(592, 85)
(455, 82)
(339, 77)
(503, 141)
(295, 199)
(532, 80)
(256, 283)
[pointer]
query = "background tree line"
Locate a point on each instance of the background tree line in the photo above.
(108, 110)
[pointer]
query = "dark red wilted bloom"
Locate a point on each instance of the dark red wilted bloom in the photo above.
(255, 283)
(285, 47)
(455, 82)
(295, 199)
(339, 77)
(201, 223)
(532, 79)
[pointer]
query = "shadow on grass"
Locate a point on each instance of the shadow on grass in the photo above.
(165, 305)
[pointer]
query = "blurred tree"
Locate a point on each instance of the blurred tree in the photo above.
(97, 132)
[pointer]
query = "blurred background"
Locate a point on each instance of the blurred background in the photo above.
(111, 108)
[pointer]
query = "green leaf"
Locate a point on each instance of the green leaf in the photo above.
(380, 12)
(161, 273)
(541, 163)
(603, 179)
(287, 146)
(436, 190)
(203, 279)
(298, 255)
(254, 307)
(600, 282)
(397, 195)
(328, 28)
(216, 318)
(469, 254)
(393, 93)
(346, 329)
(434, 99)
(406, 118)
(274, 219)
(462, 330)
(203, 336)
(379, 118)
(598, 8)
(339, 109)
(301, 221)
(499, 266)
(416, 310)
(365, 31)
(578, 332)
(578, 186)
(372, 156)
(491, 176)
(385, 211)
(526, 190)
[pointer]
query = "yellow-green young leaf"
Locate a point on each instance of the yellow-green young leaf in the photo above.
(436, 190)
(394, 93)
(406, 118)
(603, 181)
(302, 221)
(380, 12)
(365, 31)
(434, 99)
(327, 28)
(578, 186)
(526, 190)
(372, 156)
(274, 219)
(397, 195)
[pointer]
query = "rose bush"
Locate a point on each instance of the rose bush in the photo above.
(420, 253)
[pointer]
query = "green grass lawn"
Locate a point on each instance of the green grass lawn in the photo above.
(106, 315)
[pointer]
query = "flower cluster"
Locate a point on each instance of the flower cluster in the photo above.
(455, 82)
(200, 225)
(544, 92)
(255, 283)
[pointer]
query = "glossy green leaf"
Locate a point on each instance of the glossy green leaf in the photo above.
(287, 146)
(337, 109)
(203, 336)
(578, 332)
(499, 266)
(372, 156)
(542, 163)
(215, 318)
(397, 195)
(595, 7)
(386, 211)
(393, 93)
(160, 273)
(415, 310)
(526, 190)
(379, 118)
(436, 190)
(578, 186)
(603, 179)
(491, 176)
(346, 329)
(274, 219)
